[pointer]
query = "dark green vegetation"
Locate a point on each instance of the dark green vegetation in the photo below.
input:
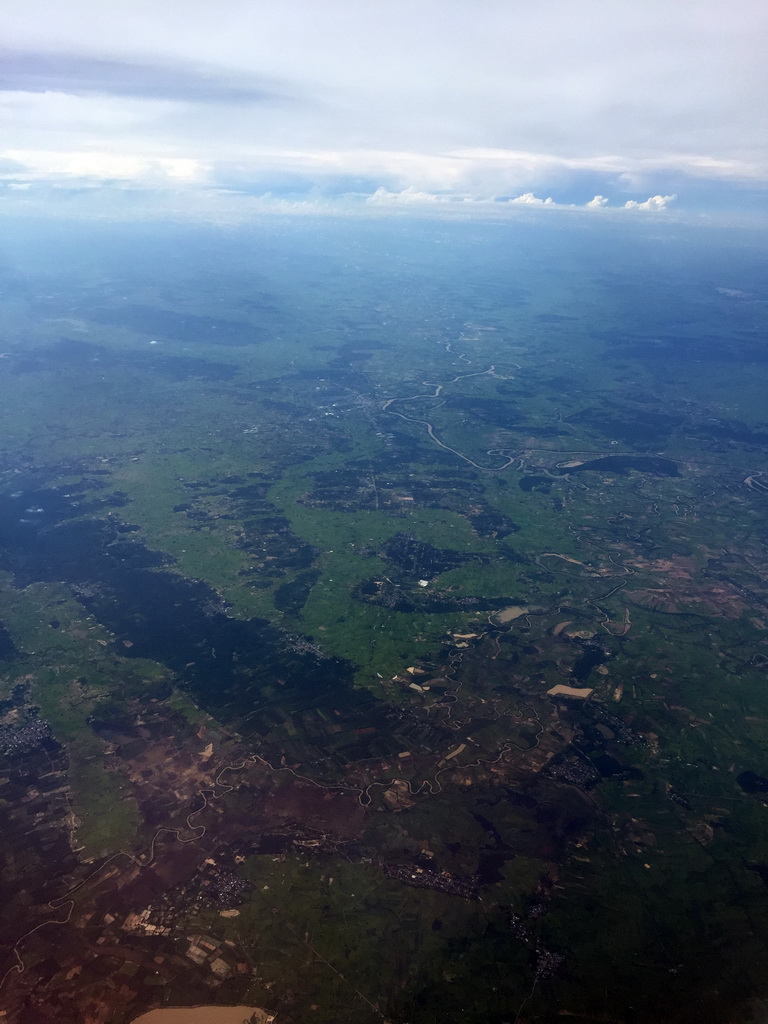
(400, 589)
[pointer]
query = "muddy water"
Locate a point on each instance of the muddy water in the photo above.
(205, 1015)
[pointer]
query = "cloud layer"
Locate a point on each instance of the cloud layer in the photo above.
(486, 102)
(30, 71)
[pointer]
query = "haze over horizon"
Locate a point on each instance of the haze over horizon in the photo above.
(191, 108)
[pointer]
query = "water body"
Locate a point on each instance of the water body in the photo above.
(623, 463)
(205, 1015)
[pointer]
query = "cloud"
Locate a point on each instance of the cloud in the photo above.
(458, 173)
(452, 202)
(529, 199)
(444, 99)
(49, 165)
(383, 197)
(651, 203)
(79, 75)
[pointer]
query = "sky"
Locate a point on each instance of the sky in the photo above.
(461, 106)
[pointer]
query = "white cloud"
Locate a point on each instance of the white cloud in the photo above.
(439, 98)
(651, 203)
(411, 195)
(451, 202)
(52, 164)
(457, 175)
(529, 199)
(383, 197)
